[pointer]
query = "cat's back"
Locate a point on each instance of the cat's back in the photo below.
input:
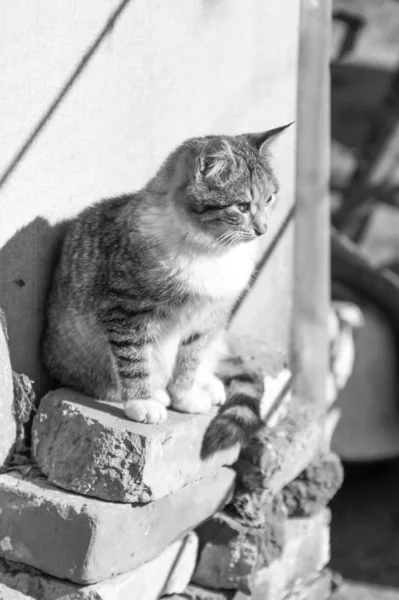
(88, 241)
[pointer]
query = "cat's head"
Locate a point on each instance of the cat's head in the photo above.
(223, 187)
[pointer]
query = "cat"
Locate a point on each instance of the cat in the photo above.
(145, 283)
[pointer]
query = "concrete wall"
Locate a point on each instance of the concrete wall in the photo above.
(89, 111)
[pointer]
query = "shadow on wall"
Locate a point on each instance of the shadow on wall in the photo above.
(63, 92)
(27, 259)
(26, 264)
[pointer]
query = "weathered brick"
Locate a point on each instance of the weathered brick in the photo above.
(276, 456)
(87, 540)
(196, 592)
(316, 586)
(7, 593)
(183, 568)
(8, 422)
(232, 550)
(91, 448)
(231, 557)
(314, 487)
(146, 582)
(306, 551)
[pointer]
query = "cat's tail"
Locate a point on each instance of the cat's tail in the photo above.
(237, 421)
(247, 410)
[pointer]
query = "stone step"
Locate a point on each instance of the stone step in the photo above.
(306, 551)
(316, 586)
(7, 593)
(231, 554)
(90, 447)
(86, 540)
(147, 582)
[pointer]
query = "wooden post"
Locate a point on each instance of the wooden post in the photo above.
(309, 342)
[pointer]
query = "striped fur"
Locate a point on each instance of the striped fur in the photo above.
(235, 424)
(144, 283)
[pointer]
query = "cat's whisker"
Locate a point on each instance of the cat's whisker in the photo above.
(224, 239)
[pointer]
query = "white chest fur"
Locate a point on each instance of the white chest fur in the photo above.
(222, 276)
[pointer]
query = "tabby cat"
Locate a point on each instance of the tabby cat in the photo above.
(145, 283)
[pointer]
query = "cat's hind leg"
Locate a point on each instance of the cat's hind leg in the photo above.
(77, 353)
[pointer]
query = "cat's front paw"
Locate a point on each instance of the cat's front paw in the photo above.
(215, 389)
(163, 397)
(195, 401)
(145, 411)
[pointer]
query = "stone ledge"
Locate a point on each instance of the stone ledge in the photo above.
(7, 593)
(196, 592)
(87, 540)
(89, 447)
(230, 558)
(314, 487)
(231, 551)
(144, 583)
(307, 551)
(316, 586)
(276, 456)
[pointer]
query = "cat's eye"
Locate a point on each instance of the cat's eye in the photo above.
(243, 207)
(270, 199)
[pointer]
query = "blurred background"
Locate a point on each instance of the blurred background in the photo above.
(365, 208)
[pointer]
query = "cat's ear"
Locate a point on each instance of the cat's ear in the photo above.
(216, 162)
(261, 141)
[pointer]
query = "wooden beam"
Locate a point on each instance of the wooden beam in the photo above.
(309, 342)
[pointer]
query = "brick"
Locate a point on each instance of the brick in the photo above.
(196, 592)
(231, 551)
(8, 422)
(87, 540)
(276, 456)
(233, 561)
(314, 487)
(146, 582)
(89, 447)
(273, 458)
(306, 551)
(316, 586)
(183, 568)
(7, 593)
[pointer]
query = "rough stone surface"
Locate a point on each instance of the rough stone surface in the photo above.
(274, 457)
(196, 592)
(8, 422)
(316, 586)
(89, 447)
(7, 593)
(87, 540)
(306, 551)
(24, 410)
(314, 487)
(146, 582)
(231, 551)
(233, 559)
(183, 568)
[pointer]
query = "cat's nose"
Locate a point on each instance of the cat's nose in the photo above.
(260, 228)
